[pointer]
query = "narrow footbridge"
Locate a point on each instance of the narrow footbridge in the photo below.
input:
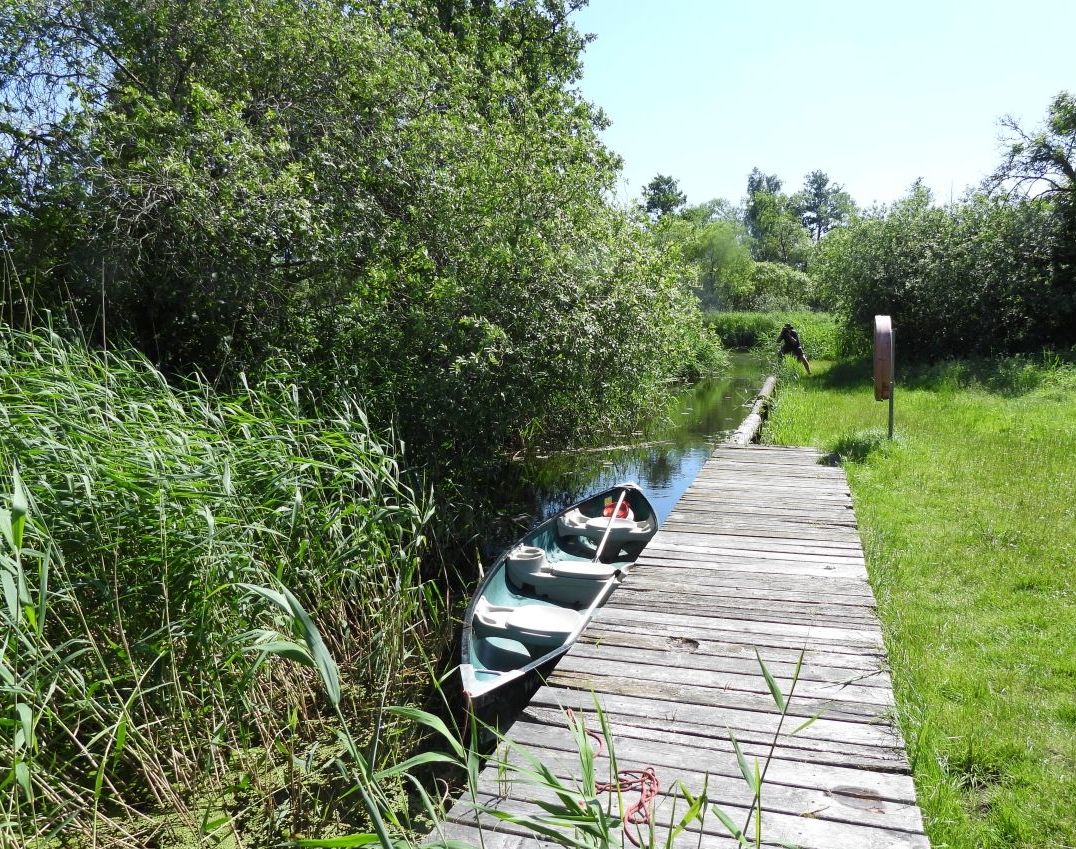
(761, 553)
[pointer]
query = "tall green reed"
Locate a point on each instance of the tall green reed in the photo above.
(135, 510)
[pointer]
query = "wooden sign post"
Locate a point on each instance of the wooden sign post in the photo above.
(884, 363)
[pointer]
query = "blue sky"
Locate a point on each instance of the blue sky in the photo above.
(875, 94)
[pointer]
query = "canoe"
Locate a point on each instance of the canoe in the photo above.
(543, 590)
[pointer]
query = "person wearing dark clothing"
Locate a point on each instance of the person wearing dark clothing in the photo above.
(790, 344)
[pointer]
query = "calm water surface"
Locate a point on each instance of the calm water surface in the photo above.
(663, 459)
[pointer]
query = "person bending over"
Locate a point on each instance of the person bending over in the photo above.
(790, 344)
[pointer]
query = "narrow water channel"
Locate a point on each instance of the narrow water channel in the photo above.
(663, 458)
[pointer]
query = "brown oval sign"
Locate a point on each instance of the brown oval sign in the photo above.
(883, 357)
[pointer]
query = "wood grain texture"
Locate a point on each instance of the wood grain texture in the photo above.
(760, 555)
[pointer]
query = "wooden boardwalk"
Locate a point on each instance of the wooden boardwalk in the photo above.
(762, 552)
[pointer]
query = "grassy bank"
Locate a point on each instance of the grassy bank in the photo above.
(967, 520)
(818, 330)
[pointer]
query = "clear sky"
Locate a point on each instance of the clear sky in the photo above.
(874, 93)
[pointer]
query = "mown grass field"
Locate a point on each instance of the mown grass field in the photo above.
(969, 524)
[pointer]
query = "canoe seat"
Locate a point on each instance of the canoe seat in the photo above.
(537, 624)
(576, 523)
(524, 563)
(582, 569)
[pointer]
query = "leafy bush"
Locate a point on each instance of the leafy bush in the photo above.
(981, 277)
(124, 656)
(406, 199)
(775, 286)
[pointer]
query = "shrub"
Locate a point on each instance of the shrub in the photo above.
(981, 277)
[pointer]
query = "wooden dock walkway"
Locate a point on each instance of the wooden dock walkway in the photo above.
(762, 552)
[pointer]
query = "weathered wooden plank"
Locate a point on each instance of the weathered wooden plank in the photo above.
(759, 543)
(491, 834)
(497, 834)
(854, 595)
(687, 523)
(712, 740)
(760, 603)
(753, 564)
(726, 787)
(815, 489)
(867, 701)
(763, 514)
(809, 634)
(805, 829)
(719, 759)
(738, 657)
(856, 588)
(802, 614)
(680, 693)
(810, 674)
(739, 717)
(854, 657)
(698, 548)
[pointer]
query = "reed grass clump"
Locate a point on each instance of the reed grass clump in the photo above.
(139, 697)
(818, 330)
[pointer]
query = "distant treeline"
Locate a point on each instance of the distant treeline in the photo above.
(404, 201)
(992, 273)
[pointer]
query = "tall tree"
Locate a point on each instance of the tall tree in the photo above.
(822, 205)
(771, 219)
(1043, 161)
(662, 195)
(383, 183)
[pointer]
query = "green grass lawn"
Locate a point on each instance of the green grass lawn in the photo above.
(969, 523)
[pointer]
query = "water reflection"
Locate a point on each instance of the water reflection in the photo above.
(664, 458)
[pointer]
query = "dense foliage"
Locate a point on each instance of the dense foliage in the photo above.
(993, 273)
(750, 257)
(775, 222)
(982, 276)
(132, 662)
(403, 198)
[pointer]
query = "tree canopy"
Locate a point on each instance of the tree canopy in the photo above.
(1041, 161)
(662, 195)
(773, 221)
(822, 205)
(404, 198)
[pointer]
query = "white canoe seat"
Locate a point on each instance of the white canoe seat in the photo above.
(594, 527)
(537, 624)
(572, 523)
(582, 569)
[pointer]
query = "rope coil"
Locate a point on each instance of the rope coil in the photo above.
(639, 813)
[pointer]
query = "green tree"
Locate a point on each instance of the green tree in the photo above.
(775, 227)
(1043, 161)
(403, 199)
(714, 247)
(662, 196)
(822, 205)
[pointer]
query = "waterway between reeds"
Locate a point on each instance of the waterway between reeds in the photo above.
(663, 458)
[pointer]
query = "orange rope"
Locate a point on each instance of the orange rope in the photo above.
(643, 780)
